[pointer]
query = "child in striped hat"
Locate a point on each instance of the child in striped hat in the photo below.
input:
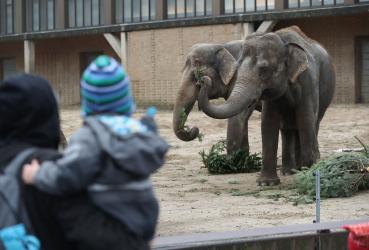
(112, 157)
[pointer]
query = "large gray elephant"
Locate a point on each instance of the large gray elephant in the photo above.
(294, 77)
(210, 60)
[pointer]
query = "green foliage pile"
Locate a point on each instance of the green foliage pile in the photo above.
(340, 176)
(218, 162)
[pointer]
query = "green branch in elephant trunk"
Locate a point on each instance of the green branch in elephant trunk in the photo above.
(239, 100)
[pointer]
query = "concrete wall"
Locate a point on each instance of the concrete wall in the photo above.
(156, 57)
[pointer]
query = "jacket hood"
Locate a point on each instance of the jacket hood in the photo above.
(29, 112)
(130, 144)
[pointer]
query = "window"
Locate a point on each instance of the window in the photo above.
(312, 3)
(241, 6)
(188, 8)
(128, 11)
(7, 67)
(82, 13)
(40, 15)
(6, 16)
(86, 58)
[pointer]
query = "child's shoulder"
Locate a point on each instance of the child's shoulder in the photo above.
(122, 125)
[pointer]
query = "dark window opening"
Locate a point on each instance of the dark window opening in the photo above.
(8, 67)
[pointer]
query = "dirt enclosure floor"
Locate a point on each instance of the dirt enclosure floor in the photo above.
(193, 201)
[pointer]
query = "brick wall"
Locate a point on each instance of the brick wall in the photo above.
(156, 58)
(337, 35)
(58, 60)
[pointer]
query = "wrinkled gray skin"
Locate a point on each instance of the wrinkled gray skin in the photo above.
(295, 79)
(212, 59)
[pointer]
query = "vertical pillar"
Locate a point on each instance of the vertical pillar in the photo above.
(281, 4)
(61, 14)
(29, 56)
(161, 9)
(124, 49)
(19, 16)
(218, 7)
(108, 12)
(247, 29)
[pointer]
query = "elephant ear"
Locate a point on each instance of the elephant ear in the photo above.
(297, 58)
(297, 61)
(227, 65)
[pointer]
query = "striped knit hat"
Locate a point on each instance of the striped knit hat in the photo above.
(105, 88)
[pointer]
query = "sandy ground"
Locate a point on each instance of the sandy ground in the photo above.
(193, 201)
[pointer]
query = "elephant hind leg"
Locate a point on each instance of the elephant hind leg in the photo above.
(288, 151)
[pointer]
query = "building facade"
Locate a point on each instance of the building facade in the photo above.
(58, 38)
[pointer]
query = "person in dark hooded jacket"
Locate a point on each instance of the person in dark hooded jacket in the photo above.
(26, 122)
(112, 156)
(30, 119)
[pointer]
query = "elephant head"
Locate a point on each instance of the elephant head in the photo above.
(214, 61)
(268, 65)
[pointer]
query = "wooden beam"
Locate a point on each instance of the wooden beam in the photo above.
(124, 49)
(114, 42)
(266, 26)
(247, 29)
(29, 56)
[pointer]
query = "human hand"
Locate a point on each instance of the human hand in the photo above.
(29, 171)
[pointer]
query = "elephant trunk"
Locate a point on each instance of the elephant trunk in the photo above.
(186, 99)
(241, 98)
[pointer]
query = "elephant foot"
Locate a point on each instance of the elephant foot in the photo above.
(268, 180)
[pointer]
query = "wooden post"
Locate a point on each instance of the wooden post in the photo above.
(218, 8)
(29, 56)
(247, 29)
(161, 9)
(115, 43)
(124, 49)
(19, 16)
(61, 14)
(108, 12)
(266, 26)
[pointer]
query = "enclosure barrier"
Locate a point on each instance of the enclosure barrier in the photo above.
(320, 236)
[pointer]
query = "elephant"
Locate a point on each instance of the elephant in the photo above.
(294, 77)
(210, 60)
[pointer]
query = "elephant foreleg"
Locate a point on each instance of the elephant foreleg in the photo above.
(237, 133)
(270, 123)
